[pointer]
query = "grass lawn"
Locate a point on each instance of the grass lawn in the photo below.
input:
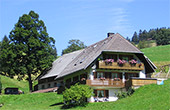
(149, 97)
(160, 55)
(39, 101)
(8, 82)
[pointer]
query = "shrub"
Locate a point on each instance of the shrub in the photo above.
(77, 95)
(61, 89)
(121, 95)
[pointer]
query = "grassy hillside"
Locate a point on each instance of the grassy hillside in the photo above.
(39, 101)
(160, 55)
(149, 97)
(8, 82)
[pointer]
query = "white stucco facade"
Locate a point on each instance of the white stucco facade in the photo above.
(113, 94)
(142, 74)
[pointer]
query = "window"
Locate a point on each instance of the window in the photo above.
(50, 79)
(107, 75)
(100, 75)
(114, 75)
(41, 81)
(83, 76)
(42, 87)
(110, 56)
(101, 93)
(49, 85)
(55, 84)
(75, 79)
(125, 58)
(68, 81)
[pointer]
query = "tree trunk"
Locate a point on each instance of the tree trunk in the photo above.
(30, 81)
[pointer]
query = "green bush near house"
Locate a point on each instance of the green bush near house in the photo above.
(77, 95)
(121, 95)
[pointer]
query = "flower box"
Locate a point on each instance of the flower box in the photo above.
(109, 61)
(121, 62)
(132, 62)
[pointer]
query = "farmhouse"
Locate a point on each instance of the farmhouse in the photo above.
(108, 66)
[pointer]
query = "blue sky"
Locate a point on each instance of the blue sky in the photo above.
(87, 20)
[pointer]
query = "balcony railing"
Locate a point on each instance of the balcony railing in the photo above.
(140, 81)
(126, 66)
(105, 82)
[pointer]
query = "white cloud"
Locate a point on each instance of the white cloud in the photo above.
(120, 22)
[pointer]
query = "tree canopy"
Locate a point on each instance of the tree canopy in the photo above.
(30, 50)
(74, 45)
(160, 35)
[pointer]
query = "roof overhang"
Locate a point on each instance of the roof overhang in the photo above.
(118, 51)
(149, 66)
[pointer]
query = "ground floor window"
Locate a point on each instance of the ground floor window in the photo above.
(55, 84)
(49, 85)
(43, 87)
(100, 93)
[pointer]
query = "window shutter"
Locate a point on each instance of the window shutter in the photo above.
(95, 75)
(95, 93)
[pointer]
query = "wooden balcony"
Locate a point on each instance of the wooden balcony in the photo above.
(105, 83)
(136, 82)
(125, 66)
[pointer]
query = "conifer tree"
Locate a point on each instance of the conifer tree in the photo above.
(135, 38)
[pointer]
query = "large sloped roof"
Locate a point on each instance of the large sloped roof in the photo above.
(61, 63)
(83, 58)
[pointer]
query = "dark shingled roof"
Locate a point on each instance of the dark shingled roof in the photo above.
(83, 58)
(120, 44)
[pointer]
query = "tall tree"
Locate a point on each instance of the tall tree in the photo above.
(127, 38)
(140, 35)
(135, 38)
(6, 56)
(74, 45)
(32, 46)
(144, 35)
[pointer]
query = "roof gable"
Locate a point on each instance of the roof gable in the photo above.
(119, 44)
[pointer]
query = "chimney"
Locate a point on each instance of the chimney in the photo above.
(110, 34)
